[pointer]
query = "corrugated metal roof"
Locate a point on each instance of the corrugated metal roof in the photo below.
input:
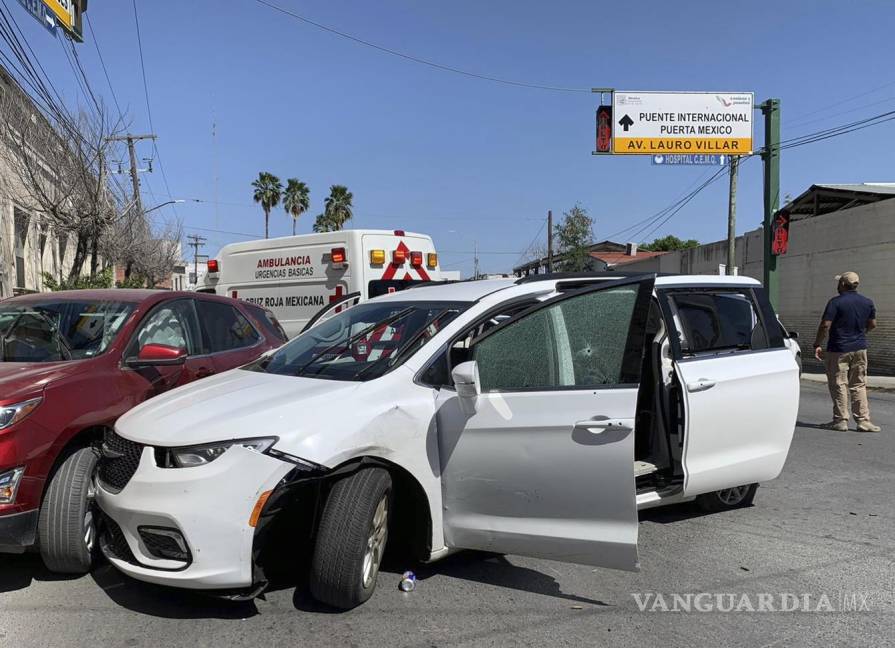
(869, 187)
(821, 199)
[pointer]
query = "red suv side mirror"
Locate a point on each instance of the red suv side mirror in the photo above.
(158, 355)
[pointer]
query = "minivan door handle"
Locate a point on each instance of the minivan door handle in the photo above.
(700, 384)
(204, 372)
(599, 426)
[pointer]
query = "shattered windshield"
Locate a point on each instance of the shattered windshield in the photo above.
(363, 342)
(53, 331)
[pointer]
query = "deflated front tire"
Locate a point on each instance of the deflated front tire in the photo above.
(351, 539)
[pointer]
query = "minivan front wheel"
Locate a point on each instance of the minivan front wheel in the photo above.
(67, 526)
(727, 498)
(351, 539)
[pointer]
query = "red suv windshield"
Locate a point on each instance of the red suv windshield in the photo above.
(53, 331)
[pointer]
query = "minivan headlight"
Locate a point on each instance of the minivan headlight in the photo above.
(200, 455)
(11, 414)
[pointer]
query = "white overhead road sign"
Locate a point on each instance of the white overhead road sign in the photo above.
(651, 123)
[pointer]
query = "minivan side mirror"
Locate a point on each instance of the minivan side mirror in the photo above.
(466, 382)
(793, 335)
(158, 355)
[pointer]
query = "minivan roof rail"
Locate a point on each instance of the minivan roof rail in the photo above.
(562, 276)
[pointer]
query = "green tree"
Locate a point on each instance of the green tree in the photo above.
(323, 223)
(573, 235)
(668, 244)
(296, 199)
(338, 207)
(268, 190)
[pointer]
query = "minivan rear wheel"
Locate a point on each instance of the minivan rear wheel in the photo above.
(67, 526)
(727, 498)
(351, 539)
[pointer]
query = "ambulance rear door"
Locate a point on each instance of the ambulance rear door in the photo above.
(396, 261)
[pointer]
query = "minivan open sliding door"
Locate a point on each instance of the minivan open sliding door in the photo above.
(740, 385)
(544, 465)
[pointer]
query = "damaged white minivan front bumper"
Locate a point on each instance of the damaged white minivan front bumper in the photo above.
(190, 527)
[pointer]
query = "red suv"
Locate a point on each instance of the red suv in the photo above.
(71, 363)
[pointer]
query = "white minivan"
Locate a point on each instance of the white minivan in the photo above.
(294, 276)
(532, 416)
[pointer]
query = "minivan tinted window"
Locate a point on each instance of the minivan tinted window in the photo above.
(718, 321)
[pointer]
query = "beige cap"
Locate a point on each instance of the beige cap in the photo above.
(849, 278)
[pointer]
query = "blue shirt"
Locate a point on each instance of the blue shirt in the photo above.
(849, 313)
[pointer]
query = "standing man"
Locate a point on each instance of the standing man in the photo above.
(846, 320)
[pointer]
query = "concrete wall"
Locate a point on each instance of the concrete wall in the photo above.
(861, 239)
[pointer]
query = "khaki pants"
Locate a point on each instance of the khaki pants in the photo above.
(847, 375)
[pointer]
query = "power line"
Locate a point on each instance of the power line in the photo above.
(836, 131)
(103, 64)
(826, 107)
(158, 155)
(533, 240)
(673, 213)
(416, 59)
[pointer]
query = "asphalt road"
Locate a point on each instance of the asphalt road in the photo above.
(826, 526)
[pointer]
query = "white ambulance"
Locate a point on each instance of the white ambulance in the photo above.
(296, 276)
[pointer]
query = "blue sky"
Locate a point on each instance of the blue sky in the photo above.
(465, 159)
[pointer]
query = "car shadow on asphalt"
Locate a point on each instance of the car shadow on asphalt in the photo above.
(167, 602)
(674, 513)
(18, 571)
(494, 569)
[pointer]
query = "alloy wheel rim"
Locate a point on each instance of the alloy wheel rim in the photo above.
(376, 542)
(731, 496)
(89, 521)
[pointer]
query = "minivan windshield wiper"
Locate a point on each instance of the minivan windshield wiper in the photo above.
(392, 360)
(354, 338)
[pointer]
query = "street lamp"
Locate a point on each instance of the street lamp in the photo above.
(172, 202)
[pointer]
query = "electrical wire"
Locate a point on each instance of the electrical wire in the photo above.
(155, 149)
(103, 64)
(416, 59)
(533, 240)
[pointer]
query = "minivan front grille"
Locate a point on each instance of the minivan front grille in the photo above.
(118, 462)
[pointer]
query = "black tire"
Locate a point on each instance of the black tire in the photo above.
(337, 575)
(727, 499)
(64, 516)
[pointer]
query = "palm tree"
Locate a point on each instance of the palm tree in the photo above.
(325, 223)
(338, 207)
(296, 199)
(268, 190)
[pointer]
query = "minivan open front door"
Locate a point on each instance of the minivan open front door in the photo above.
(543, 466)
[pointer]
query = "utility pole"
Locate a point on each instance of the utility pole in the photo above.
(476, 259)
(135, 180)
(195, 241)
(771, 157)
(549, 241)
(732, 216)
